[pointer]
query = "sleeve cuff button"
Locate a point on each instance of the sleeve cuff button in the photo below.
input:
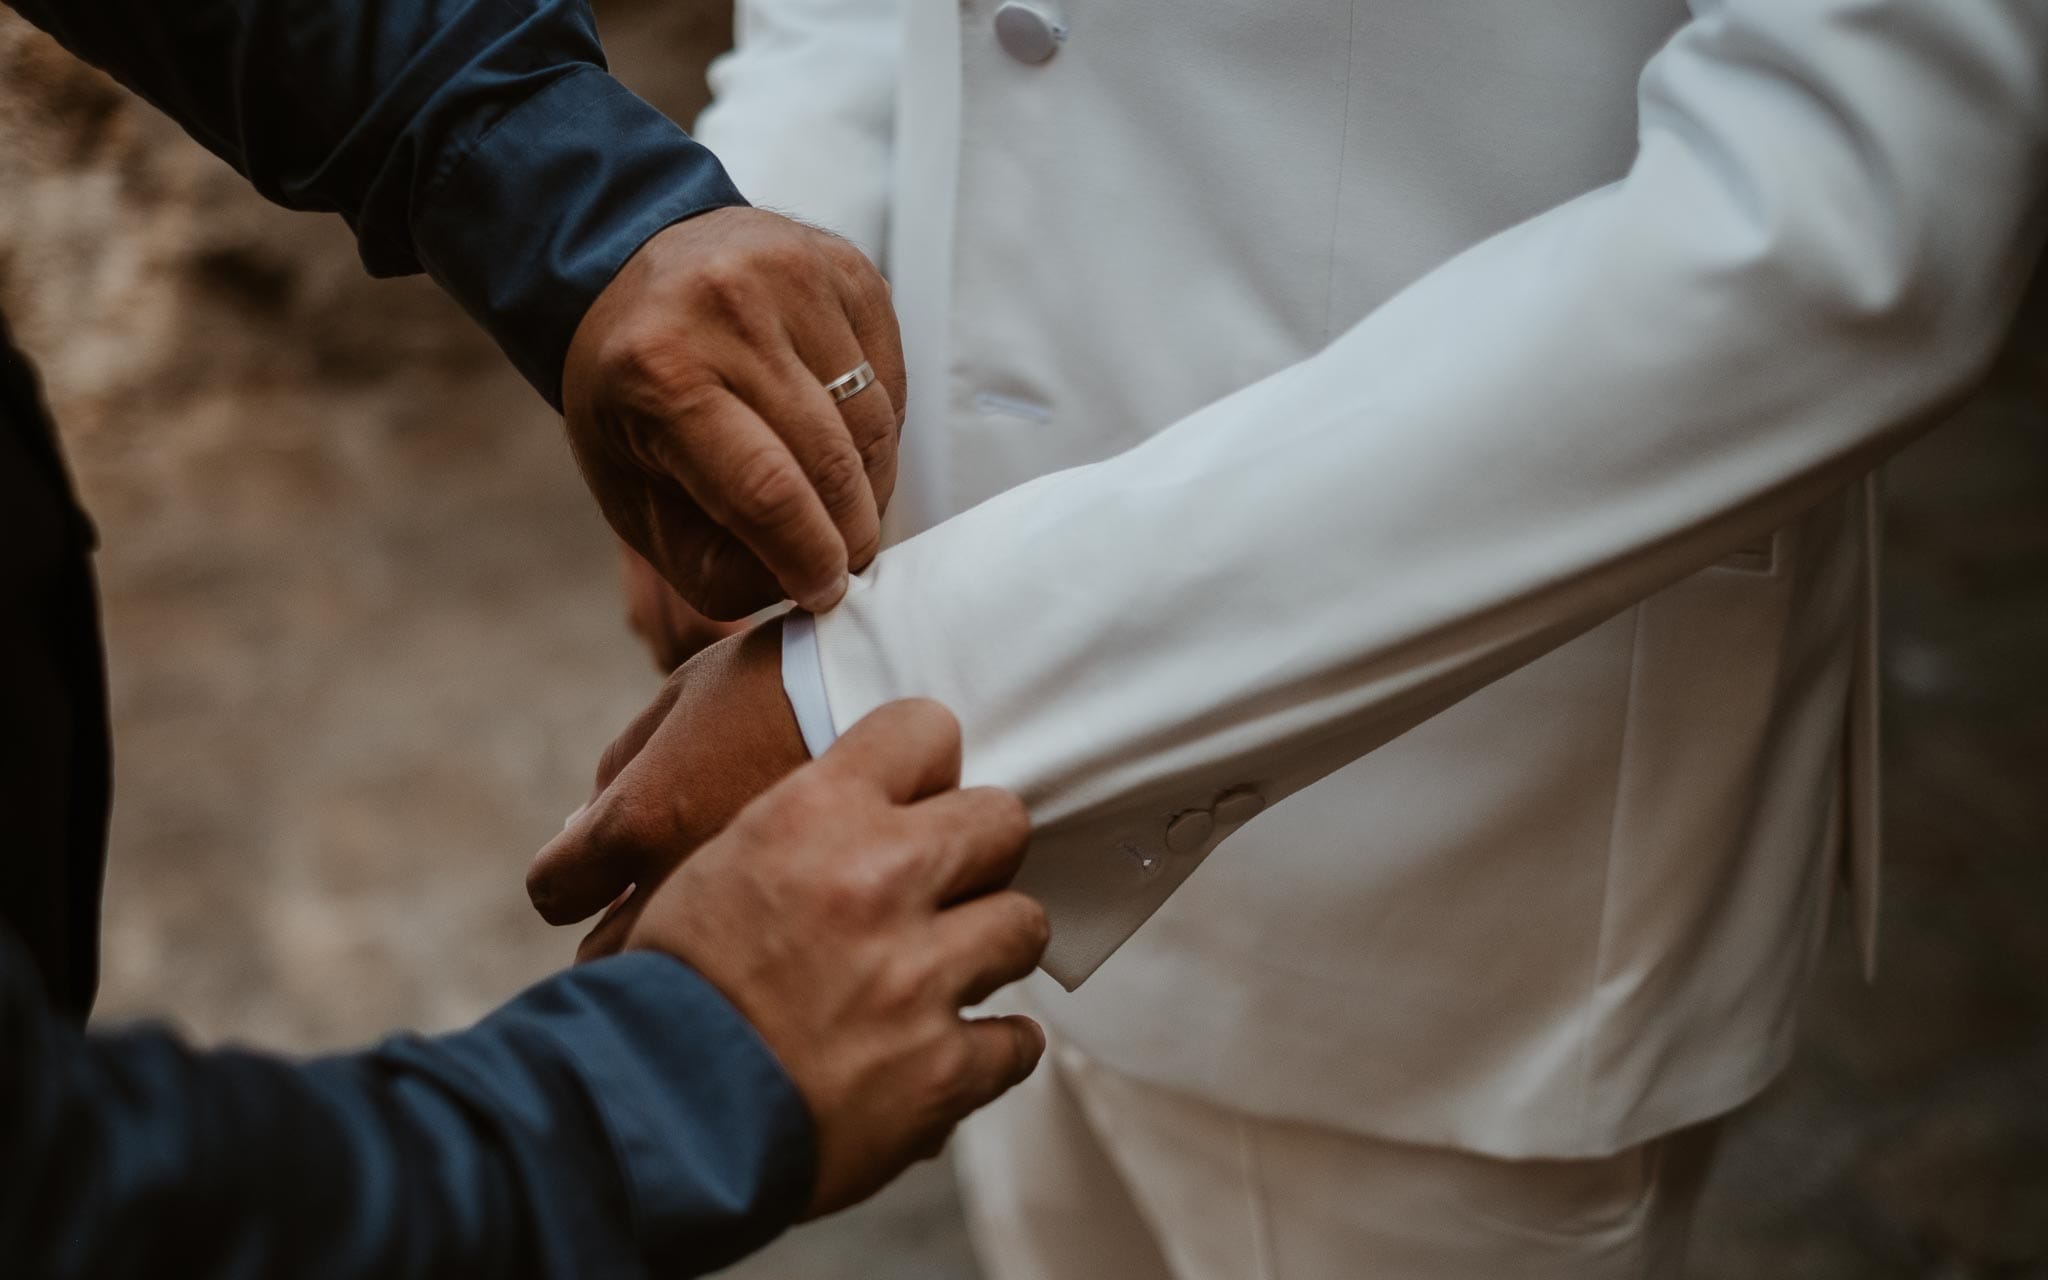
(1190, 830)
(1239, 806)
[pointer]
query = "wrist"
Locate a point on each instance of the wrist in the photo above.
(636, 173)
(744, 727)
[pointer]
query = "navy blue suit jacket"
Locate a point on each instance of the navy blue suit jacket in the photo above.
(619, 1119)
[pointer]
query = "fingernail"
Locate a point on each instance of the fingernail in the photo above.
(821, 600)
(570, 821)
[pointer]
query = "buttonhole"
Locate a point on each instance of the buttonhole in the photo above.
(993, 402)
(1146, 862)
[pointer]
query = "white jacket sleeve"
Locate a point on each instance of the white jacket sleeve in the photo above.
(803, 110)
(1833, 210)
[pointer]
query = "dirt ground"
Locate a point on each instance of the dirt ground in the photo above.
(366, 645)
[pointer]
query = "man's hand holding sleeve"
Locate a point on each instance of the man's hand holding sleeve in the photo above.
(718, 734)
(483, 142)
(795, 1043)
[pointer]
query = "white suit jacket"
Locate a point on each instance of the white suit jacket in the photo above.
(1412, 451)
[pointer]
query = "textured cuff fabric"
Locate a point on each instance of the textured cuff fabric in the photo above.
(533, 222)
(712, 1144)
(803, 682)
(713, 1141)
(617, 1120)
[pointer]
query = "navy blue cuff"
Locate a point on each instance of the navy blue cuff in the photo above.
(633, 1079)
(529, 226)
(714, 1142)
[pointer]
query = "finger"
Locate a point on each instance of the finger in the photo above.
(790, 396)
(877, 440)
(874, 414)
(609, 935)
(865, 296)
(1001, 1053)
(977, 837)
(587, 866)
(830, 343)
(864, 293)
(988, 943)
(730, 582)
(909, 749)
(873, 426)
(624, 749)
(743, 475)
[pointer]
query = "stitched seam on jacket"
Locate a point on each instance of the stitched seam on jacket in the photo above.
(1589, 1022)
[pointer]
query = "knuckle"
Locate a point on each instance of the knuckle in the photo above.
(725, 279)
(791, 251)
(678, 396)
(857, 889)
(861, 552)
(841, 476)
(1005, 815)
(732, 299)
(860, 274)
(808, 798)
(1030, 926)
(846, 255)
(636, 356)
(900, 992)
(877, 448)
(952, 1070)
(769, 491)
(933, 719)
(806, 788)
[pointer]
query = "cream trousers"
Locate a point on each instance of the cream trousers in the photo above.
(1082, 1173)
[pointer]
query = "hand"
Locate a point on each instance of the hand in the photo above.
(672, 631)
(693, 393)
(850, 914)
(719, 733)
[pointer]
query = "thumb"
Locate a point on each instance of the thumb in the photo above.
(624, 749)
(586, 867)
(1001, 1052)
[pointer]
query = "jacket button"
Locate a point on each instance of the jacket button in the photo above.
(1239, 805)
(1186, 832)
(1027, 33)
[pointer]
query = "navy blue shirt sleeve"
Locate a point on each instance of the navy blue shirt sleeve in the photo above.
(481, 141)
(620, 1119)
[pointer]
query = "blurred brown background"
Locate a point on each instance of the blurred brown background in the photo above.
(366, 644)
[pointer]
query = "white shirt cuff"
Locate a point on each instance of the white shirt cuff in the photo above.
(803, 682)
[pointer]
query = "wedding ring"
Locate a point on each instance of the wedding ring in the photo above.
(848, 385)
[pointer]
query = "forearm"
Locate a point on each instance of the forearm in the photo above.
(1815, 252)
(613, 1121)
(482, 142)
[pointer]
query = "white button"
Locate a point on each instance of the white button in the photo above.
(1239, 806)
(1188, 831)
(1027, 33)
